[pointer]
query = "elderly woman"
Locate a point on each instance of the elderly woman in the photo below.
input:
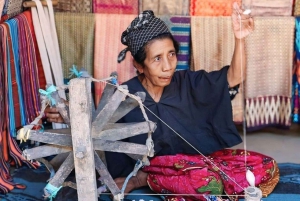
(195, 118)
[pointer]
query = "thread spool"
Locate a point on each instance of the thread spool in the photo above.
(253, 194)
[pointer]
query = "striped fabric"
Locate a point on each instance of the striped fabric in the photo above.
(296, 76)
(180, 27)
(75, 32)
(212, 47)
(41, 75)
(77, 6)
(211, 7)
(28, 65)
(271, 7)
(108, 31)
(165, 7)
(116, 6)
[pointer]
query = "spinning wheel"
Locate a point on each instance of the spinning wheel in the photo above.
(91, 130)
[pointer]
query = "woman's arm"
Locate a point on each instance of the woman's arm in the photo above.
(242, 25)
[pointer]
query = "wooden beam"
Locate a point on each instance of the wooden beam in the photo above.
(123, 130)
(28, 4)
(108, 110)
(98, 144)
(106, 95)
(120, 147)
(63, 172)
(45, 150)
(105, 176)
(126, 106)
(81, 118)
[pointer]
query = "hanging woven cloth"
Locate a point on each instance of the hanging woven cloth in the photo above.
(165, 7)
(76, 33)
(76, 6)
(116, 6)
(14, 7)
(212, 7)
(109, 28)
(180, 27)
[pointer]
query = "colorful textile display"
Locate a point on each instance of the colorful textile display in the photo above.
(77, 6)
(180, 27)
(165, 7)
(270, 7)
(108, 31)
(296, 75)
(212, 48)
(211, 7)
(269, 72)
(116, 6)
(269, 65)
(194, 174)
(75, 32)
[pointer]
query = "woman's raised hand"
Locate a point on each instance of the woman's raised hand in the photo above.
(242, 24)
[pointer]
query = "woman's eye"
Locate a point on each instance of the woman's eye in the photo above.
(157, 59)
(172, 54)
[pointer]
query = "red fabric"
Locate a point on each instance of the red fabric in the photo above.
(192, 174)
(41, 75)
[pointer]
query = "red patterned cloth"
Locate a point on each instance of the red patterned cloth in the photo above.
(196, 176)
(116, 6)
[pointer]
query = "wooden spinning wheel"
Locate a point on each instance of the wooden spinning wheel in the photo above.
(90, 130)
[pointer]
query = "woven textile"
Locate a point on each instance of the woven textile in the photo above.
(108, 31)
(270, 7)
(78, 6)
(269, 72)
(180, 27)
(14, 8)
(297, 8)
(212, 46)
(1, 7)
(165, 7)
(75, 32)
(211, 7)
(116, 6)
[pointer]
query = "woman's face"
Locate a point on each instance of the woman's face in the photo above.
(160, 62)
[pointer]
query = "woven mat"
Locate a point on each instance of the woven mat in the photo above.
(270, 7)
(165, 7)
(211, 7)
(180, 27)
(78, 6)
(116, 6)
(212, 46)
(75, 32)
(108, 30)
(269, 51)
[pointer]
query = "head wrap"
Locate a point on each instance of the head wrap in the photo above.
(142, 29)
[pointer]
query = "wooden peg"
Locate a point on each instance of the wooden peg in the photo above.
(28, 4)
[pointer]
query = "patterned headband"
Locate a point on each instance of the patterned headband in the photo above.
(142, 29)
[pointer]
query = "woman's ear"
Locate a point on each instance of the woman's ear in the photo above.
(138, 67)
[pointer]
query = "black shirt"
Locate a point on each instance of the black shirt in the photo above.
(196, 105)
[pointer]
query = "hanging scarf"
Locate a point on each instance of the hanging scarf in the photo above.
(14, 7)
(165, 7)
(116, 6)
(76, 6)
(212, 7)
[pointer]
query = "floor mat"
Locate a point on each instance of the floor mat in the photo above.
(288, 188)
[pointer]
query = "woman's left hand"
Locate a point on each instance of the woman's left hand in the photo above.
(242, 24)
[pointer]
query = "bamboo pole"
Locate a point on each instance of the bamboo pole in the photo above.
(28, 4)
